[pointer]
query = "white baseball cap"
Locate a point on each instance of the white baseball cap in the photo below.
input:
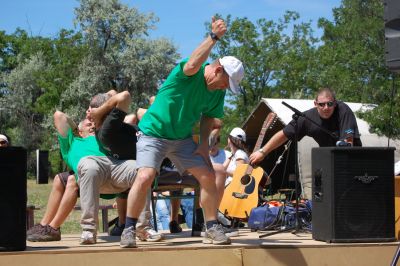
(2, 137)
(238, 133)
(234, 68)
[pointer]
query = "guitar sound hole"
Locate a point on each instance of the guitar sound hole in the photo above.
(245, 180)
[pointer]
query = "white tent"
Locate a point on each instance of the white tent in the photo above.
(255, 120)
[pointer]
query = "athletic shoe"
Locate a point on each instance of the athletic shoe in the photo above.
(128, 238)
(215, 235)
(35, 229)
(174, 227)
(148, 234)
(45, 234)
(88, 237)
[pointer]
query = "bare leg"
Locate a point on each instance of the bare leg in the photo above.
(208, 191)
(220, 175)
(175, 206)
(138, 194)
(121, 208)
(67, 203)
(54, 200)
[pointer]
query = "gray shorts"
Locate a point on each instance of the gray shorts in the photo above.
(151, 151)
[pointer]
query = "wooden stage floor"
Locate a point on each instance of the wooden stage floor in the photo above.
(182, 249)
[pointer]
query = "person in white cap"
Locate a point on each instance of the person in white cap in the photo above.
(4, 141)
(193, 91)
(237, 145)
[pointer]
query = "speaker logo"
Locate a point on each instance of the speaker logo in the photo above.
(366, 179)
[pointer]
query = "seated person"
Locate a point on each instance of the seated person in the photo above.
(119, 138)
(4, 141)
(61, 202)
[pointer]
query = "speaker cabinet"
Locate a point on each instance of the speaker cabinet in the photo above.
(392, 34)
(353, 194)
(13, 198)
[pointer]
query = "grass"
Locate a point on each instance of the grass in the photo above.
(38, 196)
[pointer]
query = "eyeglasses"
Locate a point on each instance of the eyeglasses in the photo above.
(329, 104)
(3, 142)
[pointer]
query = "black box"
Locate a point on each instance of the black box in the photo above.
(13, 198)
(353, 194)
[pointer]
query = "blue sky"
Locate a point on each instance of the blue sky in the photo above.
(181, 21)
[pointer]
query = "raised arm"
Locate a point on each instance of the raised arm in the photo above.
(277, 140)
(63, 123)
(201, 53)
(120, 100)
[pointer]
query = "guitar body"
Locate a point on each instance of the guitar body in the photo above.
(241, 195)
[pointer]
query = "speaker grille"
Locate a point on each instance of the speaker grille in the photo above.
(361, 193)
(357, 203)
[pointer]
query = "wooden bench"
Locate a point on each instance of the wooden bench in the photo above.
(104, 215)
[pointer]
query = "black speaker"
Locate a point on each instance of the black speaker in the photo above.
(42, 167)
(353, 194)
(13, 198)
(392, 34)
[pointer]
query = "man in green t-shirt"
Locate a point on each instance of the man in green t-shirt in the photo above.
(193, 91)
(95, 172)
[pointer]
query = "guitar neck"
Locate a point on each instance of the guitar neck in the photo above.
(269, 120)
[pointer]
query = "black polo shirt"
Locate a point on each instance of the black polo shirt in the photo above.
(118, 137)
(342, 120)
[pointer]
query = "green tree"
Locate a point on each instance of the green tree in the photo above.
(121, 55)
(351, 61)
(277, 58)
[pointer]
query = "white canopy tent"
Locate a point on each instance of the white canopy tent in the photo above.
(255, 120)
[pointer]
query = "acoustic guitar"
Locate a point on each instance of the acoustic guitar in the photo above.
(242, 194)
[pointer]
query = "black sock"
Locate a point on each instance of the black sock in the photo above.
(130, 222)
(211, 223)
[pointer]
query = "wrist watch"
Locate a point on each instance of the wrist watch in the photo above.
(214, 36)
(262, 151)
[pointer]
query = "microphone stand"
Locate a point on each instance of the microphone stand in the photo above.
(296, 114)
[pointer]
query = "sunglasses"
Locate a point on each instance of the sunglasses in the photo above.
(3, 142)
(329, 104)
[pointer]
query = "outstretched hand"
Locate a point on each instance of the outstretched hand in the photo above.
(218, 27)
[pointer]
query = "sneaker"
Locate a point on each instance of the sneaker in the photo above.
(215, 235)
(35, 229)
(150, 235)
(117, 230)
(88, 237)
(174, 227)
(128, 238)
(45, 234)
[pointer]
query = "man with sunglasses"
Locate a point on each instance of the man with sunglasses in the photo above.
(330, 114)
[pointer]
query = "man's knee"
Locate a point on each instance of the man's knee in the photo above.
(71, 184)
(145, 177)
(88, 168)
